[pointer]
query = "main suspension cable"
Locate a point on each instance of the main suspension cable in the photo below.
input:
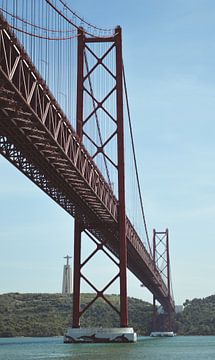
(34, 25)
(135, 162)
(71, 22)
(81, 19)
(41, 36)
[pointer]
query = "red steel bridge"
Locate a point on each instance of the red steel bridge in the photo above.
(56, 69)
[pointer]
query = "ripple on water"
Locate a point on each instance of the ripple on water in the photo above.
(177, 348)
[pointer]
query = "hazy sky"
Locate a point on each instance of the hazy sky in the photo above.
(169, 57)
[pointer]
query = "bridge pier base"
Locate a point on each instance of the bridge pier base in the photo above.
(100, 335)
(162, 334)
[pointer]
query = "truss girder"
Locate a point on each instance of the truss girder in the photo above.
(38, 139)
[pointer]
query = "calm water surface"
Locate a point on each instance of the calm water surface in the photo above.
(177, 348)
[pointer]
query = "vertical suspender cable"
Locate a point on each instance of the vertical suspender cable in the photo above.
(135, 162)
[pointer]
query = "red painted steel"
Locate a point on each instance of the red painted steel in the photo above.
(119, 133)
(121, 180)
(38, 139)
(78, 227)
(77, 274)
(168, 279)
(161, 254)
(154, 315)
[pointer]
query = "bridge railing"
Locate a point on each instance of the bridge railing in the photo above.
(30, 85)
(17, 69)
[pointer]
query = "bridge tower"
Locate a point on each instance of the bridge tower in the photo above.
(162, 318)
(37, 138)
(114, 44)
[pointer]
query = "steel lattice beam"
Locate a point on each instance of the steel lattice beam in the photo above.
(38, 139)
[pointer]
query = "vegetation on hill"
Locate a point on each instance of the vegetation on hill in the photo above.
(198, 317)
(50, 314)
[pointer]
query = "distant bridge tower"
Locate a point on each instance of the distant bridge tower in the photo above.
(163, 319)
(67, 277)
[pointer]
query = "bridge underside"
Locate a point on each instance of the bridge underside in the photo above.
(36, 137)
(24, 144)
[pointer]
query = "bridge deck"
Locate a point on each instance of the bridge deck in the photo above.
(38, 139)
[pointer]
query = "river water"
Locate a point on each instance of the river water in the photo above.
(177, 348)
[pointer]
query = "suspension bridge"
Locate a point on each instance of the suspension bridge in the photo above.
(64, 109)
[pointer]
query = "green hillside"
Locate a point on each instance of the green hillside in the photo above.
(50, 314)
(198, 317)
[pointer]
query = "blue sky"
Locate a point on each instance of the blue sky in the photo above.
(169, 58)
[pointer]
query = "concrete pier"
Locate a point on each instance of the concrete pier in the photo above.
(100, 335)
(162, 334)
